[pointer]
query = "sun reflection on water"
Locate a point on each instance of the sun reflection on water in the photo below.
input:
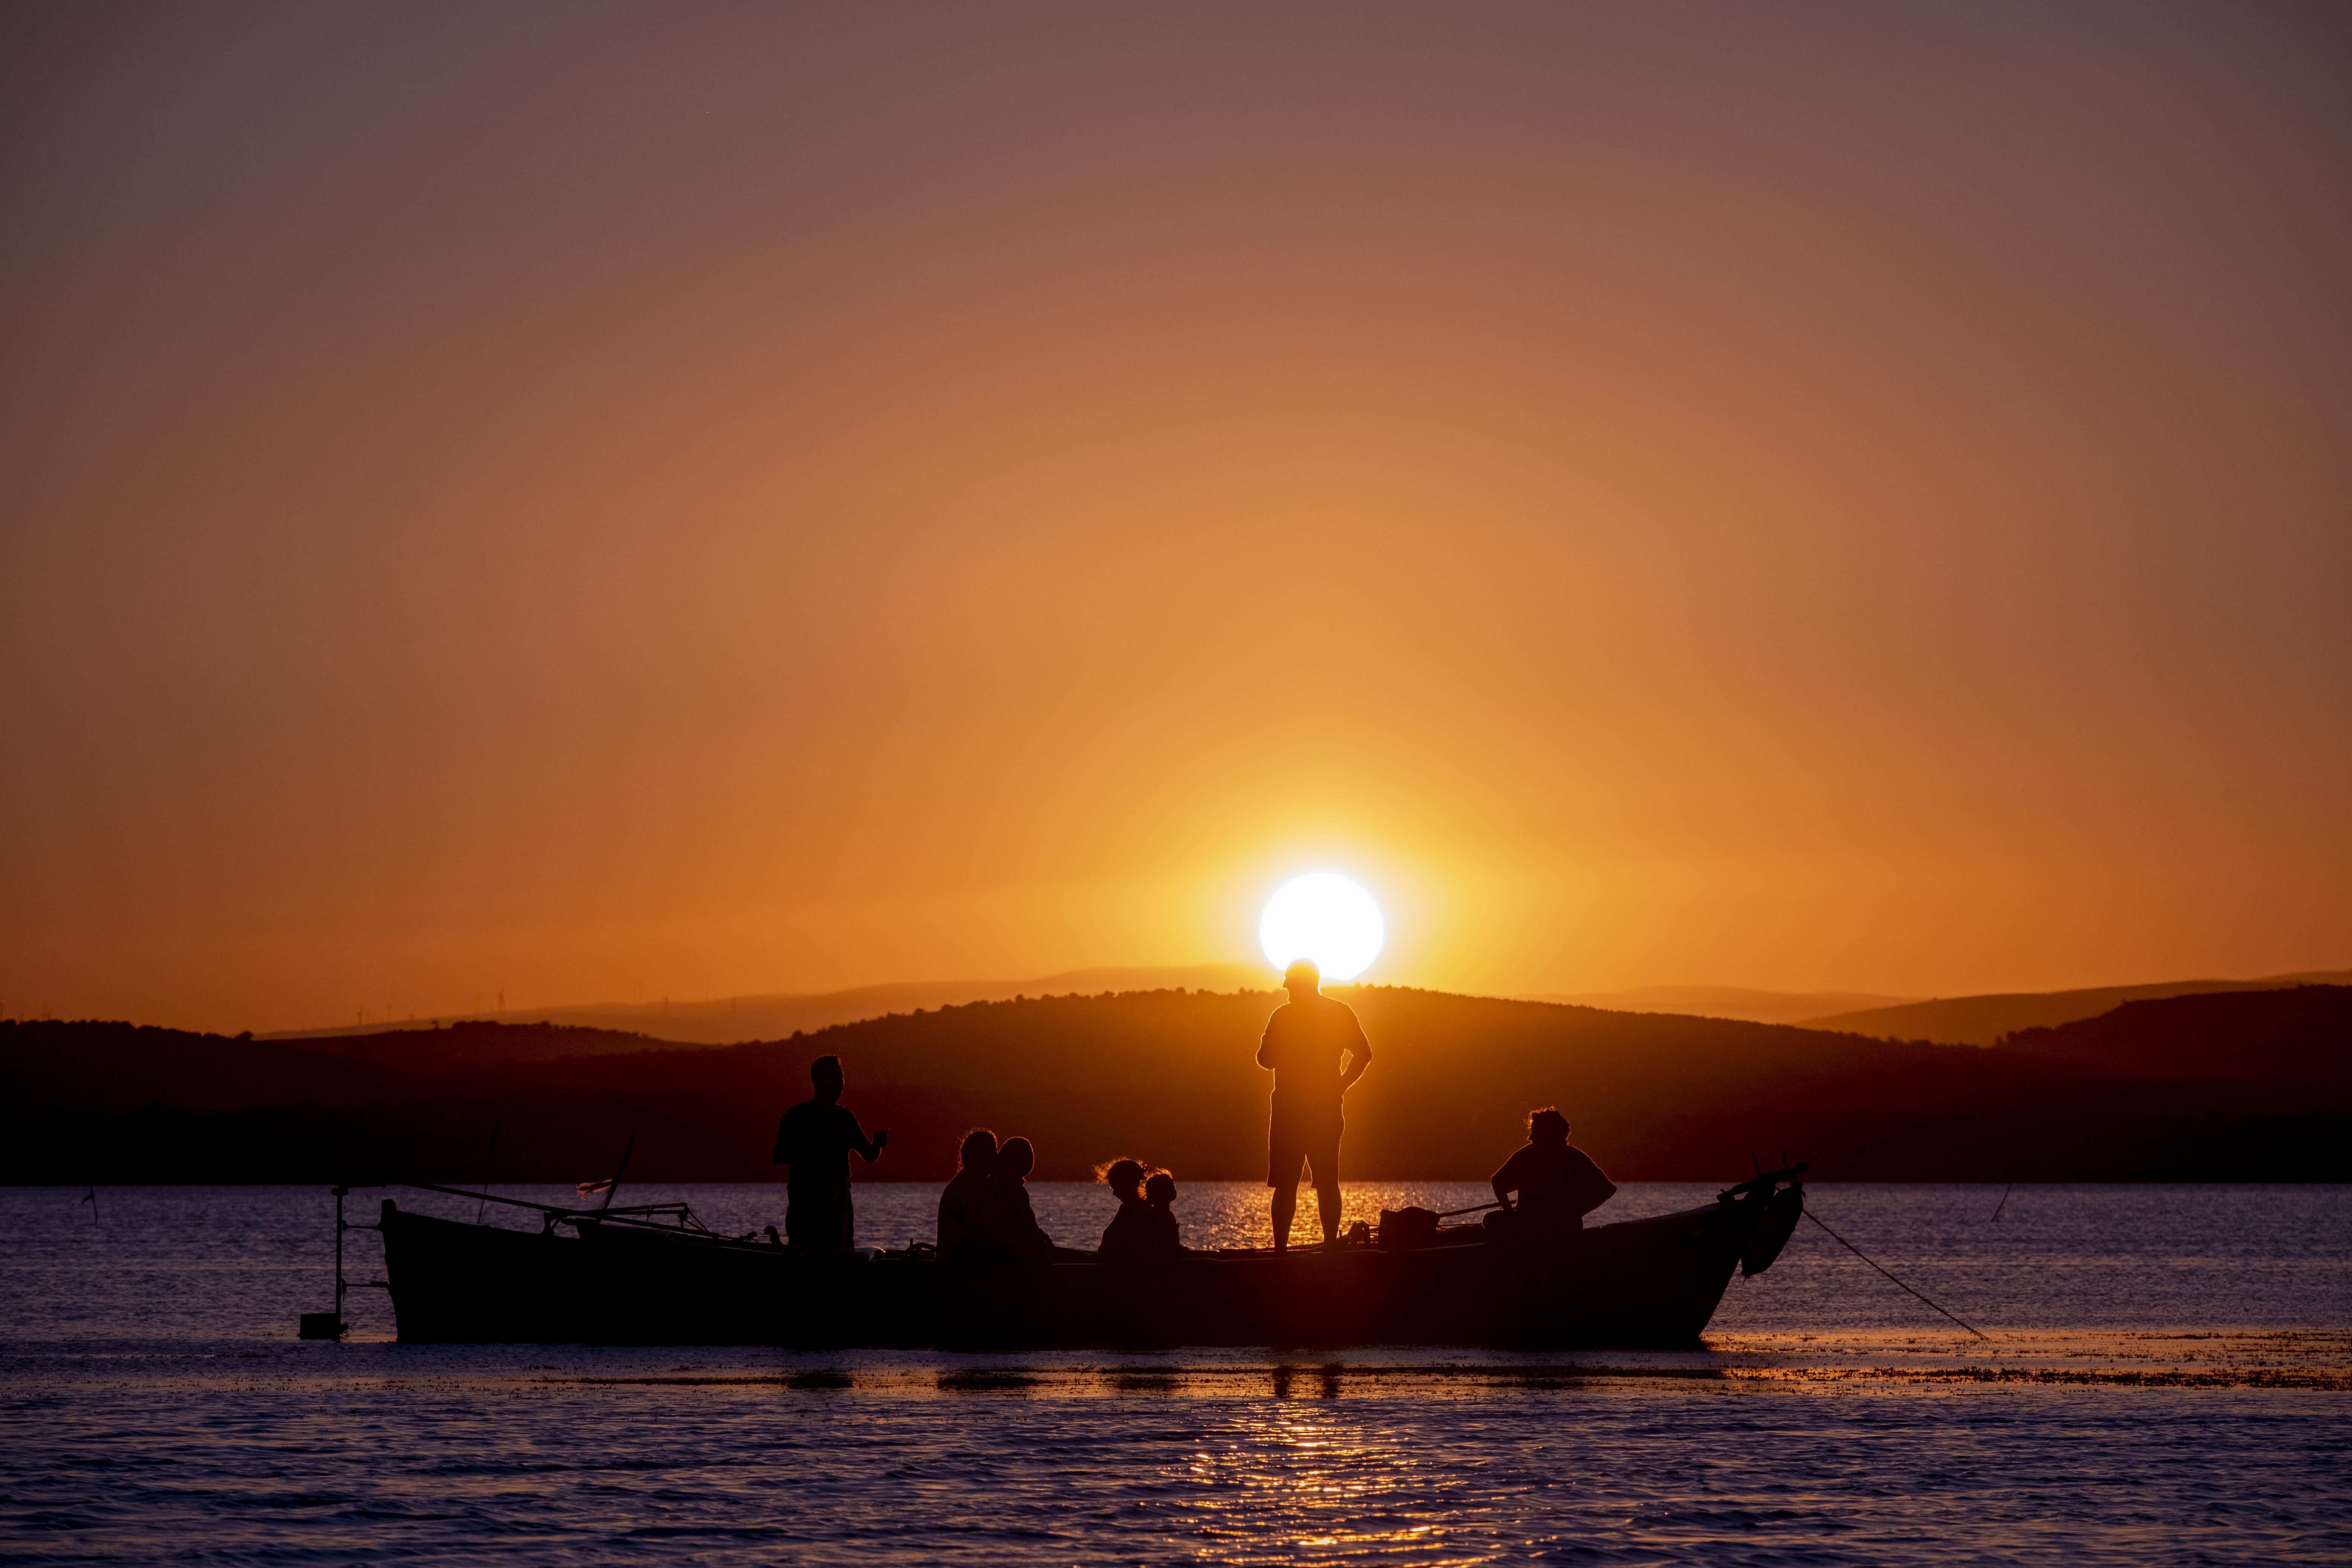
(1296, 1482)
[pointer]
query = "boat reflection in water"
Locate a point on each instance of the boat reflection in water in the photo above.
(655, 1276)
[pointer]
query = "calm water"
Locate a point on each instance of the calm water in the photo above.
(2165, 1380)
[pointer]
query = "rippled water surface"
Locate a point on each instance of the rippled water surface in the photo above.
(2164, 1381)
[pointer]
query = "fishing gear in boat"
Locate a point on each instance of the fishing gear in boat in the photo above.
(1418, 1226)
(681, 1216)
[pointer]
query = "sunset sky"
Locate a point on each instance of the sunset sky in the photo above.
(586, 499)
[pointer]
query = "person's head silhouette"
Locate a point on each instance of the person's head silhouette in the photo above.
(1303, 980)
(1546, 1126)
(1160, 1191)
(979, 1152)
(1016, 1158)
(1122, 1177)
(825, 1077)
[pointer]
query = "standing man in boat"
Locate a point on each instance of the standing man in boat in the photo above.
(815, 1138)
(1305, 1044)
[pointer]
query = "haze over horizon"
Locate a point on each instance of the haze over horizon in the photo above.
(586, 502)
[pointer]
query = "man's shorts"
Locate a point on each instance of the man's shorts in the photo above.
(1303, 1134)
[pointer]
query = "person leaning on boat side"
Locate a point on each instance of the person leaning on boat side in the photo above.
(815, 1138)
(1556, 1186)
(1305, 1043)
(974, 1229)
(1014, 1159)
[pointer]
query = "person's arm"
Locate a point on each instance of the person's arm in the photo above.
(1593, 1187)
(868, 1149)
(785, 1151)
(1266, 1043)
(1360, 1056)
(1506, 1181)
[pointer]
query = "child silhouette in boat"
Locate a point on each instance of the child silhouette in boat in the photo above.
(1145, 1227)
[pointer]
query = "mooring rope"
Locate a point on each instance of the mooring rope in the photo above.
(1899, 1284)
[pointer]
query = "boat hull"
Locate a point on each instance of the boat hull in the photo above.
(1653, 1282)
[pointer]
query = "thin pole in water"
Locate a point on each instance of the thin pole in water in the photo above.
(1899, 1284)
(485, 1203)
(2004, 1198)
(621, 1171)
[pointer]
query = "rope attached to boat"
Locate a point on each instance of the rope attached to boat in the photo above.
(1899, 1284)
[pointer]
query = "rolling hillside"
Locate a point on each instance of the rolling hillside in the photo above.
(1728, 1002)
(727, 1020)
(1983, 1020)
(1169, 1075)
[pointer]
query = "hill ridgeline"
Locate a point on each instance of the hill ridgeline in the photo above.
(2224, 1085)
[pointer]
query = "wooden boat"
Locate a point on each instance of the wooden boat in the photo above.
(653, 1275)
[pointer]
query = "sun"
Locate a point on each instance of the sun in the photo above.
(1325, 917)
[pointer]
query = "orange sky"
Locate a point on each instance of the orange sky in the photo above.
(571, 498)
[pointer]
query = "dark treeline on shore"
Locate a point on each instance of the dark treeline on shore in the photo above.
(2243, 1086)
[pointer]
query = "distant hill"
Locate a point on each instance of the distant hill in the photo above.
(1728, 1002)
(1960, 1020)
(2301, 1035)
(729, 1019)
(114, 1067)
(1170, 1077)
(120, 1067)
(1982, 1020)
(480, 1043)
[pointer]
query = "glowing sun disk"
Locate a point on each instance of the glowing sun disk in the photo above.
(1325, 917)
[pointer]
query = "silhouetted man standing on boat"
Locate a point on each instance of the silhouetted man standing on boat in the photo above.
(1305, 1043)
(815, 1138)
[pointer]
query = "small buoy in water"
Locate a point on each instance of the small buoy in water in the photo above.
(322, 1326)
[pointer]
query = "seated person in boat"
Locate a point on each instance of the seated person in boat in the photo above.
(815, 1138)
(1014, 1161)
(1125, 1179)
(974, 1229)
(1555, 1185)
(1158, 1234)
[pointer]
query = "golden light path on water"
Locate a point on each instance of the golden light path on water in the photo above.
(1310, 1480)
